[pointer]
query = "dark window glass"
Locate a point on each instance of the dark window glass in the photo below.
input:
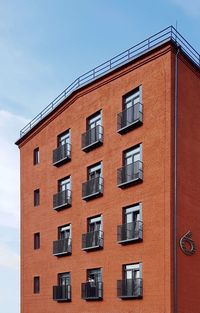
(94, 275)
(94, 120)
(94, 171)
(36, 197)
(37, 241)
(64, 139)
(36, 287)
(64, 279)
(36, 156)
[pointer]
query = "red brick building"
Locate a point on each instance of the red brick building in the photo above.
(110, 186)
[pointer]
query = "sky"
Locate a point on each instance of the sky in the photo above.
(45, 46)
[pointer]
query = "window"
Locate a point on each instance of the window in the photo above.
(132, 214)
(95, 224)
(93, 239)
(131, 116)
(95, 171)
(133, 155)
(94, 134)
(64, 184)
(36, 197)
(93, 288)
(36, 156)
(37, 241)
(131, 284)
(93, 187)
(132, 271)
(64, 279)
(63, 245)
(132, 227)
(62, 153)
(132, 98)
(64, 232)
(62, 198)
(64, 138)
(94, 275)
(94, 120)
(132, 170)
(62, 292)
(36, 283)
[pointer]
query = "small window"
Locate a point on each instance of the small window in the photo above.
(94, 275)
(64, 184)
(64, 279)
(36, 283)
(95, 223)
(36, 156)
(94, 120)
(132, 98)
(64, 232)
(132, 214)
(132, 271)
(95, 171)
(36, 197)
(132, 155)
(37, 241)
(64, 138)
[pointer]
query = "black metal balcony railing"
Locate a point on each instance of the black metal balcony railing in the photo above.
(92, 290)
(129, 118)
(129, 232)
(92, 138)
(62, 293)
(129, 288)
(92, 188)
(62, 199)
(62, 247)
(129, 174)
(166, 35)
(62, 154)
(92, 240)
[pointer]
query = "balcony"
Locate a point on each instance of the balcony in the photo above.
(130, 174)
(62, 293)
(62, 247)
(129, 288)
(92, 240)
(62, 199)
(92, 291)
(129, 118)
(129, 232)
(92, 188)
(62, 154)
(92, 138)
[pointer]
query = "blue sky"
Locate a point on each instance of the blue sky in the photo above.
(44, 46)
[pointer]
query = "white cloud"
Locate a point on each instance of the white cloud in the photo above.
(8, 258)
(190, 7)
(10, 125)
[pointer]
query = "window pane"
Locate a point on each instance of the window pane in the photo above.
(36, 159)
(36, 197)
(36, 288)
(37, 241)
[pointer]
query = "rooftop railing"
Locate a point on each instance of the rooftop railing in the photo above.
(167, 34)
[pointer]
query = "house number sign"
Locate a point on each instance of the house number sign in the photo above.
(187, 245)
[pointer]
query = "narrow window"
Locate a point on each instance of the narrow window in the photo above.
(37, 241)
(36, 197)
(36, 156)
(36, 282)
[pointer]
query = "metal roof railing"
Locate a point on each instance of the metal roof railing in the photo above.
(167, 34)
